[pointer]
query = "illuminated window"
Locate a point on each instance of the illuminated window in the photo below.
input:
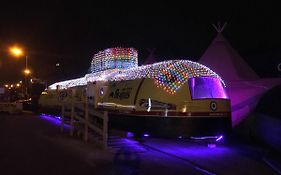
(206, 87)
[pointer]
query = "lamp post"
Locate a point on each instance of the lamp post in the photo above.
(18, 52)
(26, 72)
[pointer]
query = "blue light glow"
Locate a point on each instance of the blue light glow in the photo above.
(212, 145)
(56, 120)
(219, 138)
(146, 135)
(129, 134)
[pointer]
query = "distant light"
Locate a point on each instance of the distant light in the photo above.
(6, 85)
(130, 134)
(57, 64)
(219, 138)
(146, 135)
(27, 71)
(180, 137)
(20, 82)
(44, 93)
(12, 85)
(18, 85)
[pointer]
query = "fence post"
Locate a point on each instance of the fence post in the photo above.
(72, 119)
(105, 129)
(86, 120)
(62, 117)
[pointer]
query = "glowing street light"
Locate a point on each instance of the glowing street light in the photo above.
(16, 51)
(27, 71)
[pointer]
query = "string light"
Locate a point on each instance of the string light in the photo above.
(114, 58)
(117, 64)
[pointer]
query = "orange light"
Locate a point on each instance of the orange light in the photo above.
(6, 85)
(27, 71)
(18, 85)
(16, 51)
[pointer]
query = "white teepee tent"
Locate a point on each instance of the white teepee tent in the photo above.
(226, 61)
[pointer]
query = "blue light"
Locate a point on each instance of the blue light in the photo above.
(219, 138)
(56, 120)
(212, 145)
(146, 135)
(180, 137)
(129, 134)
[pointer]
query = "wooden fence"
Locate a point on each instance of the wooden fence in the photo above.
(84, 118)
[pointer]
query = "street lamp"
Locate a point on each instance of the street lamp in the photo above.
(18, 52)
(26, 71)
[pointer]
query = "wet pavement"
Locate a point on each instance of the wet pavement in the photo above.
(32, 144)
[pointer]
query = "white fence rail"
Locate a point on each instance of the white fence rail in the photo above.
(83, 117)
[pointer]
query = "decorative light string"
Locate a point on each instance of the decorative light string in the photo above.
(114, 58)
(169, 75)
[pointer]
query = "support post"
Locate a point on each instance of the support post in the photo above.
(86, 121)
(72, 119)
(105, 129)
(62, 116)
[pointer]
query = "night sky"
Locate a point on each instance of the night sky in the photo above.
(70, 33)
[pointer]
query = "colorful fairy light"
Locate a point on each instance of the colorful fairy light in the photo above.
(169, 75)
(114, 58)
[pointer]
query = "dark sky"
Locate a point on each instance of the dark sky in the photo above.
(72, 32)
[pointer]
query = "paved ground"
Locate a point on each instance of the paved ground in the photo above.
(32, 144)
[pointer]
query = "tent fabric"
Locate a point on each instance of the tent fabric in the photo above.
(225, 61)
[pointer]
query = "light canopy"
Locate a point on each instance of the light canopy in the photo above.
(116, 64)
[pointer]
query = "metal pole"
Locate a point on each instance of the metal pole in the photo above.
(26, 62)
(26, 83)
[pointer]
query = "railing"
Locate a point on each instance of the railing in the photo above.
(11, 108)
(83, 114)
